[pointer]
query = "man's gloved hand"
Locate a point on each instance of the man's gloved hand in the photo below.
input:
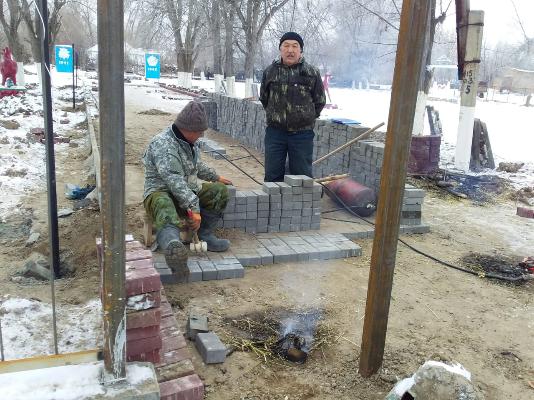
(193, 220)
(222, 179)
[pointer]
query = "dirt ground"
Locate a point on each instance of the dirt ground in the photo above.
(436, 312)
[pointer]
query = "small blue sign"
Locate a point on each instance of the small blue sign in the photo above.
(152, 65)
(64, 58)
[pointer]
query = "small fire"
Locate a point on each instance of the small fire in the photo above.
(296, 335)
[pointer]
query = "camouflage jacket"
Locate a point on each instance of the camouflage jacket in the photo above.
(293, 97)
(172, 166)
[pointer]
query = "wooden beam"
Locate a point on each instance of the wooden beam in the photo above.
(411, 52)
(56, 360)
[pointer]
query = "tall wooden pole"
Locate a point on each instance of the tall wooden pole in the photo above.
(468, 97)
(111, 101)
(411, 52)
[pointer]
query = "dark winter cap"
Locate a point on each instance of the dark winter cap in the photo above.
(292, 36)
(192, 117)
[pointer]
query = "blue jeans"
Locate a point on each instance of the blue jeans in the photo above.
(279, 145)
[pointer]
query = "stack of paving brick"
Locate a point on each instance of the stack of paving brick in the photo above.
(143, 314)
(289, 206)
(152, 332)
(411, 206)
(176, 374)
(295, 204)
(366, 163)
(424, 154)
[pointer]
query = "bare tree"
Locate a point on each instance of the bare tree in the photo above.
(11, 26)
(180, 13)
(254, 16)
(34, 24)
(229, 19)
(213, 15)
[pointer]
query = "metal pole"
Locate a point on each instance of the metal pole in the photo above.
(468, 96)
(111, 104)
(73, 83)
(50, 161)
(1, 342)
(411, 53)
(76, 60)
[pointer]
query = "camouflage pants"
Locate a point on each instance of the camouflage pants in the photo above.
(164, 209)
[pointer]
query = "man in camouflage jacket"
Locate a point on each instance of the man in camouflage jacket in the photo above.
(293, 97)
(173, 196)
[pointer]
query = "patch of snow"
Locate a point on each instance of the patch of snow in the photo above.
(70, 382)
(27, 327)
(22, 160)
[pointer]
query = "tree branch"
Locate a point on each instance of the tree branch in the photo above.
(376, 15)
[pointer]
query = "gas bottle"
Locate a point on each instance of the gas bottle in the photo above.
(360, 198)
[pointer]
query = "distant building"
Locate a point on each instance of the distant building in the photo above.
(515, 80)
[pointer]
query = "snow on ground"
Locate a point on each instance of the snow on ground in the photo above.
(27, 328)
(22, 160)
(70, 382)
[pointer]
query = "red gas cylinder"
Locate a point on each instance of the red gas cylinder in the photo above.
(360, 198)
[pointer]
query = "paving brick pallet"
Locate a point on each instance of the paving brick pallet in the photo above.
(152, 332)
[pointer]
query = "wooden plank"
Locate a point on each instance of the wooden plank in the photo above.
(489, 152)
(411, 53)
(55, 360)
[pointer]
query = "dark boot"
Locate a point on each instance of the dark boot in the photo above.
(176, 253)
(207, 226)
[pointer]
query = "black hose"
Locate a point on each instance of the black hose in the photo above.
(231, 162)
(483, 275)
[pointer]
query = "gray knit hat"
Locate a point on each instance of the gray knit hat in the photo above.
(192, 117)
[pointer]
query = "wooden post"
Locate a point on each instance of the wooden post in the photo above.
(111, 99)
(468, 97)
(411, 52)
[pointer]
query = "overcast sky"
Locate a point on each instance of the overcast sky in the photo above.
(500, 20)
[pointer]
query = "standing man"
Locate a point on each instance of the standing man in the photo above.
(293, 97)
(173, 197)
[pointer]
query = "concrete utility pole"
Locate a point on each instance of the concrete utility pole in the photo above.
(468, 98)
(410, 60)
(111, 100)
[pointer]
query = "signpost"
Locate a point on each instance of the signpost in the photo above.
(152, 65)
(64, 58)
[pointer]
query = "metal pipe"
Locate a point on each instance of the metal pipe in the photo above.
(411, 52)
(1, 342)
(111, 100)
(50, 162)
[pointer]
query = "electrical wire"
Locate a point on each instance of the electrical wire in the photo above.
(420, 252)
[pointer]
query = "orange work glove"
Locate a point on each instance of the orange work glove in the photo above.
(222, 179)
(194, 220)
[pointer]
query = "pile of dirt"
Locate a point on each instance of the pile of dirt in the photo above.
(153, 111)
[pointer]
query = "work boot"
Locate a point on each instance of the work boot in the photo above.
(168, 239)
(207, 225)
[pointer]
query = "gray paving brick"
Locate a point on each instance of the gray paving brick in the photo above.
(263, 206)
(293, 180)
(196, 324)
(230, 271)
(275, 198)
(271, 188)
(273, 228)
(284, 188)
(240, 198)
(262, 196)
(210, 347)
(195, 273)
(297, 190)
(209, 272)
(231, 190)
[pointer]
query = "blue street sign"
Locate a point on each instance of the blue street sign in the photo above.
(152, 65)
(64, 58)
